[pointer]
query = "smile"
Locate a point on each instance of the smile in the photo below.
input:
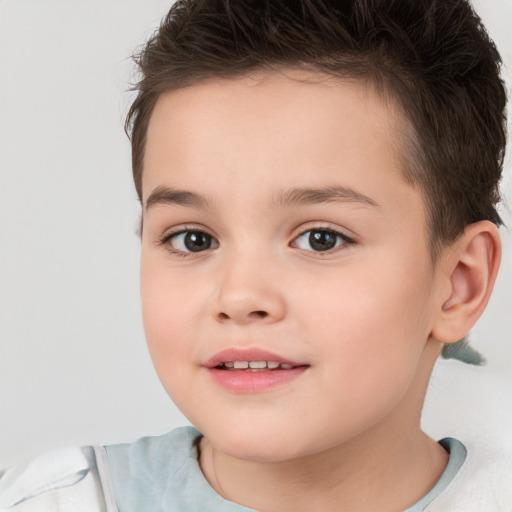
(254, 366)
(252, 370)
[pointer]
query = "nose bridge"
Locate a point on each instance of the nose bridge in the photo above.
(247, 290)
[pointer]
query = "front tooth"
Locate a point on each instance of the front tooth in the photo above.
(273, 364)
(241, 365)
(258, 364)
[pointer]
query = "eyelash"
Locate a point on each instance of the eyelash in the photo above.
(341, 241)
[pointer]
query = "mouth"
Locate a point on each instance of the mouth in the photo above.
(252, 370)
(250, 359)
(255, 366)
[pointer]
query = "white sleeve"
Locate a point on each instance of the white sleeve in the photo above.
(64, 480)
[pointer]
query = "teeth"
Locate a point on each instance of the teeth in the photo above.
(258, 364)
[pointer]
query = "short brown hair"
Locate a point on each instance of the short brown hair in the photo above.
(433, 57)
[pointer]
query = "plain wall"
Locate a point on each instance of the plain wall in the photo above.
(74, 368)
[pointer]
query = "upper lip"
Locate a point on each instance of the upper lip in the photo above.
(247, 354)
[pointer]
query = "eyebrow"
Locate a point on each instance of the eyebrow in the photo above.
(299, 196)
(172, 196)
(303, 196)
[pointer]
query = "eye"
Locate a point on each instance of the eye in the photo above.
(190, 241)
(320, 240)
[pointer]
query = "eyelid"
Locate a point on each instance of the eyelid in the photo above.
(185, 228)
(325, 226)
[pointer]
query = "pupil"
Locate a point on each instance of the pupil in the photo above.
(322, 240)
(196, 242)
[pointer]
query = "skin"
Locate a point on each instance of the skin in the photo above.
(345, 434)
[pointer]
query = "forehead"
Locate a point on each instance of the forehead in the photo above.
(273, 130)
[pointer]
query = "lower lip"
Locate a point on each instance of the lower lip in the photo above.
(254, 382)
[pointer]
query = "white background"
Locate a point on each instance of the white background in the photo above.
(74, 368)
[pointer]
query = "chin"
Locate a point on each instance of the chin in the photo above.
(257, 442)
(259, 452)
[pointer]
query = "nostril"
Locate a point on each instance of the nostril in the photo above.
(242, 317)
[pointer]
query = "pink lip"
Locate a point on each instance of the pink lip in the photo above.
(242, 381)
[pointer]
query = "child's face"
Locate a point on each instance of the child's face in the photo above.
(294, 233)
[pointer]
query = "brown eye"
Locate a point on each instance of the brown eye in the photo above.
(320, 240)
(192, 241)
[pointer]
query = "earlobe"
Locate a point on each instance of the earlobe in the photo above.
(471, 269)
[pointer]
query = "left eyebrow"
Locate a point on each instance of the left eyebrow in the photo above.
(299, 196)
(172, 196)
(303, 196)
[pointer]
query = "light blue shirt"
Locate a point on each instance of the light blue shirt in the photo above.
(162, 474)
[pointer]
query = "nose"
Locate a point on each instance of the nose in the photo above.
(248, 292)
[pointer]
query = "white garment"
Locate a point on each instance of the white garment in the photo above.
(474, 405)
(483, 483)
(64, 480)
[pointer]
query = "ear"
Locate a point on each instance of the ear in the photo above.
(469, 268)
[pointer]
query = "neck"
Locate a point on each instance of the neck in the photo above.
(360, 477)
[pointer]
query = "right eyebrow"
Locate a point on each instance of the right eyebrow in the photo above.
(172, 196)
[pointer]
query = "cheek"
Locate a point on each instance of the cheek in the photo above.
(170, 299)
(169, 313)
(370, 327)
(366, 307)
(172, 312)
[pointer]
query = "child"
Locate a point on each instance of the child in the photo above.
(318, 182)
